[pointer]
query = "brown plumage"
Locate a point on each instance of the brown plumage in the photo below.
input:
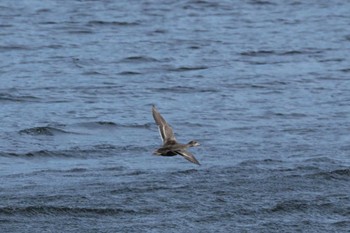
(170, 146)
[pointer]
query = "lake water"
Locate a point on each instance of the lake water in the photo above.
(264, 86)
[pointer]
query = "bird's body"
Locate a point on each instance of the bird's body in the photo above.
(170, 146)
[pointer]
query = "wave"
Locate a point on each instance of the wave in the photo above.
(14, 47)
(321, 160)
(291, 205)
(188, 68)
(129, 73)
(110, 124)
(68, 172)
(262, 53)
(112, 23)
(345, 70)
(338, 174)
(260, 162)
(257, 53)
(184, 90)
(98, 124)
(56, 210)
(261, 2)
(54, 130)
(138, 59)
(6, 97)
(43, 130)
(95, 151)
(320, 205)
(39, 153)
(185, 172)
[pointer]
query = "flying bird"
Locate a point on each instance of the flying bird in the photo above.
(170, 146)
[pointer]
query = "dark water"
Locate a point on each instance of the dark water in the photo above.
(264, 86)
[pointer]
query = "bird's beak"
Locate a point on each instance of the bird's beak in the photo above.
(155, 153)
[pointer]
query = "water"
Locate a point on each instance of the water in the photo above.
(262, 85)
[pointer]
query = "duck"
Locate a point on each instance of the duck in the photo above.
(170, 146)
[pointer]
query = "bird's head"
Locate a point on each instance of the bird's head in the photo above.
(193, 143)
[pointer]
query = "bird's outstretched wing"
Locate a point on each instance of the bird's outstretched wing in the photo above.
(187, 155)
(165, 131)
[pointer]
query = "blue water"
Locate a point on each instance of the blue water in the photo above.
(264, 86)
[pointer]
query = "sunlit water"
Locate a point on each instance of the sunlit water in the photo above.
(262, 85)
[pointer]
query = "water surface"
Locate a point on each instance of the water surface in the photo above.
(262, 85)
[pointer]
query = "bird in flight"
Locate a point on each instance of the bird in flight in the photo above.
(170, 146)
